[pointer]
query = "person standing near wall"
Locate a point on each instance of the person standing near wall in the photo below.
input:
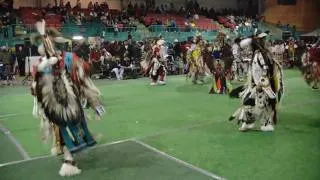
(5, 25)
(13, 22)
(21, 57)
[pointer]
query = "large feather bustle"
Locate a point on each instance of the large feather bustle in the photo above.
(36, 39)
(235, 93)
(61, 40)
(53, 32)
(90, 92)
(86, 86)
(59, 102)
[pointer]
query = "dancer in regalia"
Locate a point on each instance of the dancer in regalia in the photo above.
(237, 63)
(60, 86)
(263, 90)
(195, 61)
(154, 63)
(311, 65)
(221, 83)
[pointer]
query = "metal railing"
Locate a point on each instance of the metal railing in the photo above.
(108, 32)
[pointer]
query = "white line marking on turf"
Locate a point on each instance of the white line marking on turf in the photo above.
(111, 143)
(23, 152)
(179, 161)
(8, 115)
(48, 156)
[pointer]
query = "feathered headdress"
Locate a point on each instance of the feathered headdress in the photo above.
(36, 39)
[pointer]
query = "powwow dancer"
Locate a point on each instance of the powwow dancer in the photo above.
(311, 65)
(291, 49)
(237, 62)
(263, 90)
(221, 66)
(59, 87)
(154, 65)
(195, 61)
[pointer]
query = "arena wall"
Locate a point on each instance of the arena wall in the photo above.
(305, 14)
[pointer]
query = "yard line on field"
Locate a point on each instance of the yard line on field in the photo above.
(179, 161)
(1, 119)
(111, 143)
(25, 160)
(49, 155)
(8, 115)
(22, 151)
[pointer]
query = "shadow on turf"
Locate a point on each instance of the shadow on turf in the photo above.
(298, 122)
(191, 88)
(130, 157)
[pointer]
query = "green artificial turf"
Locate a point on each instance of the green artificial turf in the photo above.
(8, 151)
(185, 121)
(126, 160)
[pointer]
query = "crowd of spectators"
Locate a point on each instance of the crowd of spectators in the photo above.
(121, 59)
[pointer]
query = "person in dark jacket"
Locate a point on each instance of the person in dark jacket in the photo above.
(21, 57)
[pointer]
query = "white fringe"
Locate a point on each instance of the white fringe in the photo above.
(54, 150)
(69, 170)
(46, 129)
(41, 27)
(35, 107)
(52, 60)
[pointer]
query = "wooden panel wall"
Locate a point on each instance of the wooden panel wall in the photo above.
(305, 14)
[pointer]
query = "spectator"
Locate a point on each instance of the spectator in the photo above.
(294, 30)
(116, 29)
(177, 49)
(78, 20)
(61, 4)
(78, 5)
(6, 59)
(13, 23)
(129, 37)
(278, 24)
(90, 6)
(116, 68)
(158, 10)
(21, 56)
(68, 6)
(1, 25)
(96, 7)
(126, 51)
(6, 24)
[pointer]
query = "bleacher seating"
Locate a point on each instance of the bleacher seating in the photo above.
(28, 17)
(202, 23)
